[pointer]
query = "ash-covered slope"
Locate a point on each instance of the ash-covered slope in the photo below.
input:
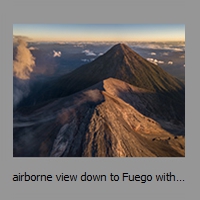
(93, 122)
(120, 62)
(150, 104)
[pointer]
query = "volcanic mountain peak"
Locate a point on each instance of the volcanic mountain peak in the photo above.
(120, 62)
(120, 50)
(120, 46)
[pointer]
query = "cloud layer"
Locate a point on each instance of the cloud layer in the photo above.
(89, 53)
(23, 65)
(155, 61)
(24, 61)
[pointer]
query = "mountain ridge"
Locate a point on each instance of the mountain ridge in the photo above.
(93, 122)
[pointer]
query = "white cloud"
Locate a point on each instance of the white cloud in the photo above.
(62, 43)
(165, 54)
(170, 63)
(79, 45)
(166, 46)
(85, 60)
(23, 66)
(89, 53)
(88, 60)
(150, 59)
(153, 53)
(177, 49)
(24, 61)
(155, 61)
(16, 38)
(56, 53)
(33, 48)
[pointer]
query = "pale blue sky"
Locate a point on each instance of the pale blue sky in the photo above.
(101, 32)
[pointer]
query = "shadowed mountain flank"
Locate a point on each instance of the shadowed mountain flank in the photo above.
(46, 131)
(150, 104)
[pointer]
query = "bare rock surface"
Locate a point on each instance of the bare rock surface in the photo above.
(94, 122)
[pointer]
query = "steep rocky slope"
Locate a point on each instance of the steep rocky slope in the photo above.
(94, 122)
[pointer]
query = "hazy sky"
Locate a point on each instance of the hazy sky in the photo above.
(101, 32)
